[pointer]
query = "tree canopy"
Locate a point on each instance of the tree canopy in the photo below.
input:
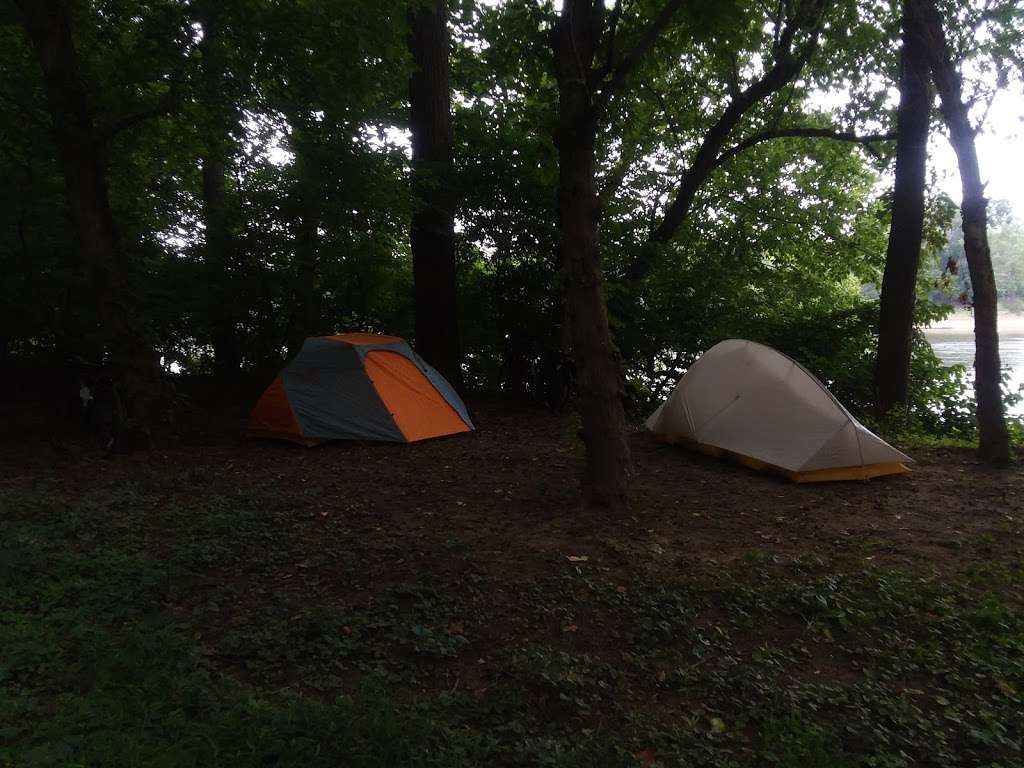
(743, 159)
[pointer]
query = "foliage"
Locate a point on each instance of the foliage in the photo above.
(148, 624)
(1006, 239)
(306, 98)
(283, 99)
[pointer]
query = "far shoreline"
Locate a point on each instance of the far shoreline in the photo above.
(961, 322)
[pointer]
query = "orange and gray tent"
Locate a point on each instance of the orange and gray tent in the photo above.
(358, 386)
(751, 403)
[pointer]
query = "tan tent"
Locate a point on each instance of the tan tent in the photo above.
(751, 403)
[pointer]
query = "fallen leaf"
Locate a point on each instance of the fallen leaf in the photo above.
(620, 589)
(570, 628)
(577, 558)
(717, 725)
(646, 756)
(1005, 688)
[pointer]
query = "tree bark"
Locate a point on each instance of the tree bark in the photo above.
(600, 382)
(227, 352)
(307, 311)
(994, 442)
(432, 232)
(220, 248)
(899, 282)
(133, 360)
(516, 356)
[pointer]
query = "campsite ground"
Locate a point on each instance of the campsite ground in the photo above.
(448, 603)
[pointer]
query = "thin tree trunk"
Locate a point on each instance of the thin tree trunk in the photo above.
(599, 382)
(516, 364)
(133, 360)
(432, 232)
(899, 282)
(220, 246)
(307, 314)
(994, 442)
(227, 352)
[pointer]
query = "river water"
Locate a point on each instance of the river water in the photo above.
(956, 347)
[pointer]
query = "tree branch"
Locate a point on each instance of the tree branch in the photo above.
(669, 120)
(784, 69)
(27, 112)
(808, 133)
(580, 70)
(165, 105)
(609, 57)
(733, 85)
(629, 62)
(787, 65)
(614, 178)
(10, 13)
(988, 108)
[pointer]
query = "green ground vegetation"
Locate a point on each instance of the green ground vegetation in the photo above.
(191, 629)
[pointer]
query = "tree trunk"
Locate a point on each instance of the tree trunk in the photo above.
(227, 352)
(599, 379)
(899, 282)
(220, 247)
(516, 379)
(432, 232)
(307, 311)
(994, 441)
(133, 361)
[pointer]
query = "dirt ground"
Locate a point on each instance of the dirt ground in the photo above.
(516, 480)
(466, 567)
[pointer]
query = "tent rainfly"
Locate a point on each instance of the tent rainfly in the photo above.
(358, 386)
(753, 404)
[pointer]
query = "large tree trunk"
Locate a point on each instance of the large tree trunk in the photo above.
(134, 362)
(432, 233)
(994, 443)
(599, 373)
(899, 283)
(220, 248)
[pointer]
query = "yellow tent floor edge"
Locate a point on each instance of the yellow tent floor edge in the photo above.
(865, 472)
(832, 474)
